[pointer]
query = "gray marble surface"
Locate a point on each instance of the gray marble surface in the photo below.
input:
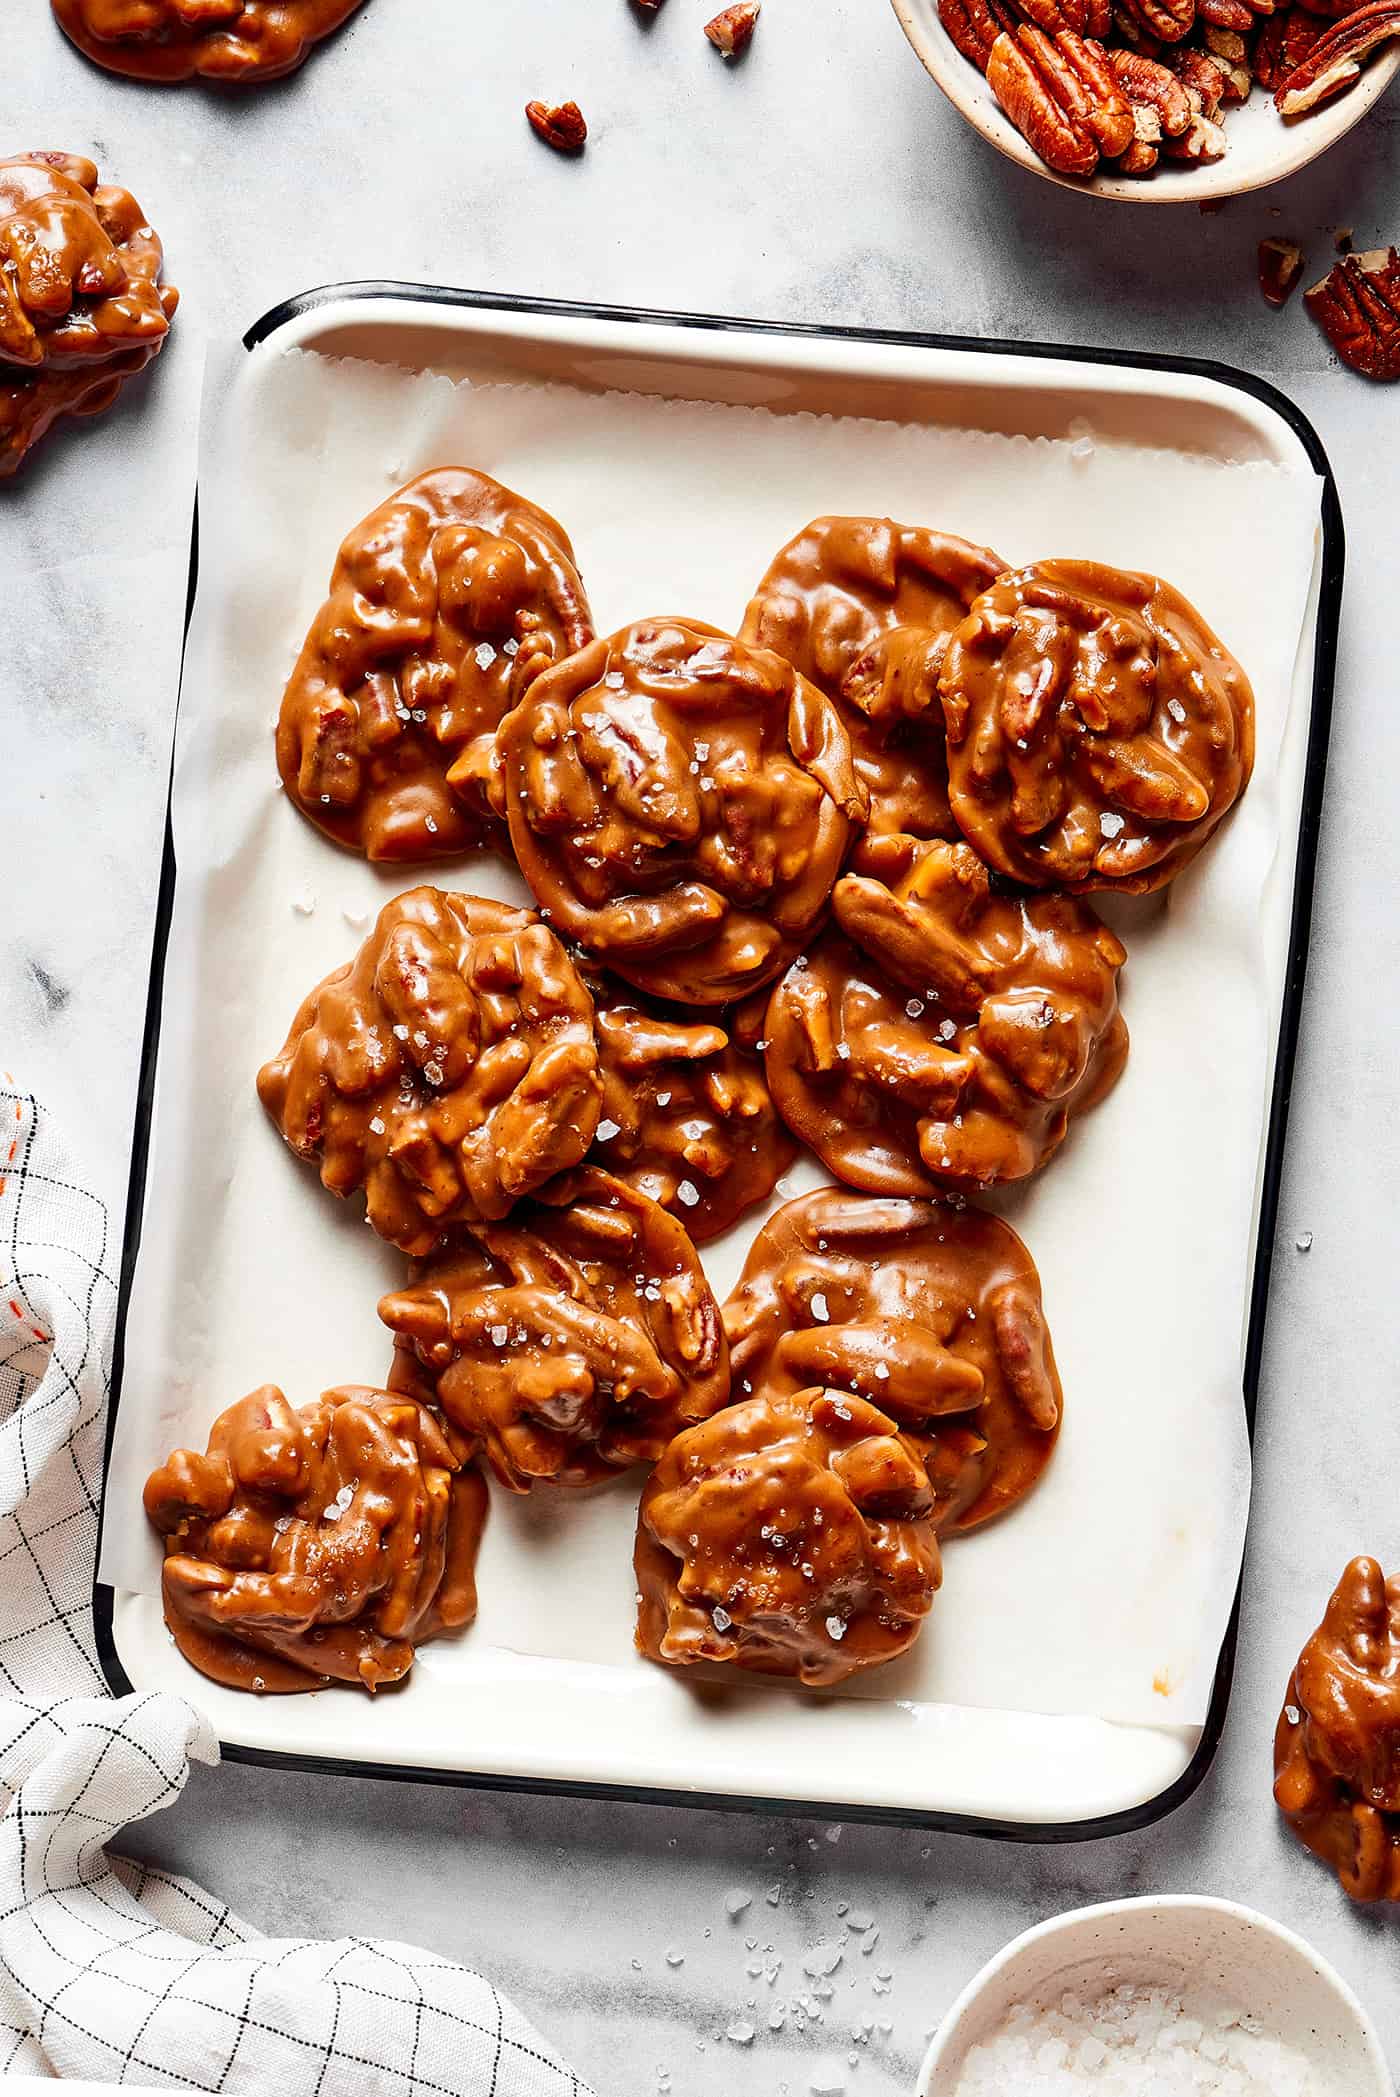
(825, 180)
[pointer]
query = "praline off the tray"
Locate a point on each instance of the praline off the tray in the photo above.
(237, 41)
(317, 1543)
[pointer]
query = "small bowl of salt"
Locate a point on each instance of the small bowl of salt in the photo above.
(1172, 1997)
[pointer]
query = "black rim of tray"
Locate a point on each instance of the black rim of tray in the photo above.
(1324, 668)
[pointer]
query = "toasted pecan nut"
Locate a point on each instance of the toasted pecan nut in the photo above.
(317, 1543)
(687, 1116)
(1280, 267)
(1063, 141)
(1337, 1747)
(731, 31)
(448, 1070)
(1201, 75)
(946, 1041)
(680, 804)
(974, 26)
(1097, 729)
(1203, 141)
(246, 41)
(1143, 154)
(1165, 21)
(559, 124)
(1335, 60)
(931, 1312)
(1357, 306)
(575, 1339)
(82, 305)
(789, 1535)
(445, 604)
(1151, 86)
(863, 607)
(1283, 42)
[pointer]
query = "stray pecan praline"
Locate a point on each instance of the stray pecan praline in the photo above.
(445, 603)
(1098, 731)
(227, 40)
(574, 1339)
(317, 1543)
(790, 1534)
(946, 1040)
(929, 1310)
(1337, 1747)
(862, 607)
(448, 1070)
(82, 305)
(680, 803)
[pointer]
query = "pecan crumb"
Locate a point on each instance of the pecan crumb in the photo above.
(1280, 266)
(559, 124)
(731, 31)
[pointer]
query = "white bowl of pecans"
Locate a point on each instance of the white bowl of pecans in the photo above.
(1158, 101)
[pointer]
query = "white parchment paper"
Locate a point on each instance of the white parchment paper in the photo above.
(1106, 1594)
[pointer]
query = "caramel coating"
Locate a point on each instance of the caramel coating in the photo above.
(930, 1311)
(680, 804)
(574, 1340)
(317, 1543)
(687, 1115)
(225, 40)
(445, 604)
(1337, 1747)
(447, 1070)
(82, 307)
(1097, 729)
(863, 608)
(791, 1535)
(947, 1040)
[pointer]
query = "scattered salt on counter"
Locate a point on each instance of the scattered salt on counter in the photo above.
(1132, 2041)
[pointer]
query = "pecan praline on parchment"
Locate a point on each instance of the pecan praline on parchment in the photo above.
(1098, 731)
(448, 1070)
(82, 305)
(680, 804)
(574, 1339)
(930, 1310)
(944, 1037)
(863, 608)
(445, 603)
(1337, 1746)
(226, 40)
(317, 1543)
(789, 1534)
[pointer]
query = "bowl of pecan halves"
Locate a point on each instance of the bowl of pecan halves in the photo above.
(1159, 101)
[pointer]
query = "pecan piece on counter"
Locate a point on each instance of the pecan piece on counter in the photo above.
(445, 603)
(317, 1543)
(687, 1117)
(448, 1070)
(574, 1340)
(680, 804)
(862, 608)
(731, 31)
(559, 124)
(790, 1535)
(932, 1312)
(1337, 1746)
(1334, 62)
(1357, 306)
(1280, 267)
(1060, 94)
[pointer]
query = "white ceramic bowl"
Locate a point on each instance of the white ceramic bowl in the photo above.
(1175, 1941)
(1263, 148)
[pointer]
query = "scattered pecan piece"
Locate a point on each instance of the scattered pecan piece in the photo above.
(559, 124)
(731, 31)
(1280, 266)
(1357, 306)
(1334, 62)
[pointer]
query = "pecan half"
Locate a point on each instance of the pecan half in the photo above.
(1280, 266)
(1141, 157)
(1282, 44)
(1357, 306)
(731, 31)
(1150, 86)
(1060, 94)
(559, 124)
(974, 26)
(1334, 62)
(1201, 74)
(1167, 21)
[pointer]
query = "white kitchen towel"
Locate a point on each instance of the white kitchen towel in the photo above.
(110, 1970)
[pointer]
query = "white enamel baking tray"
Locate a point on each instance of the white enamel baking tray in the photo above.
(511, 1720)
